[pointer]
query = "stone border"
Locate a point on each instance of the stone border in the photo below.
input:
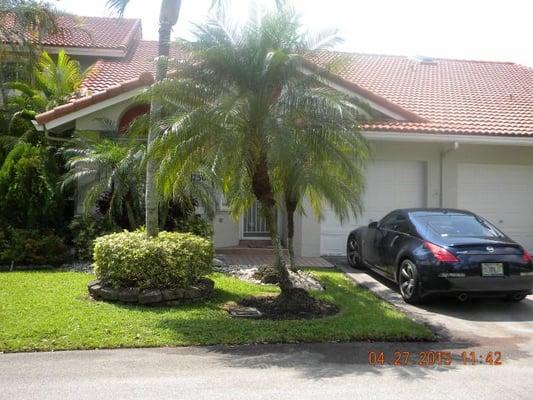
(154, 297)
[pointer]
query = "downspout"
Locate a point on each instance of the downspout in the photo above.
(443, 155)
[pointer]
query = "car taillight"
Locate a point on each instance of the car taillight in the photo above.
(440, 253)
(526, 256)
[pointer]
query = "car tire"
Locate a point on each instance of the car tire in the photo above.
(515, 297)
(409, 282)
(353, 253)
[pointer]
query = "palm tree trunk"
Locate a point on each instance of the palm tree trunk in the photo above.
(167, 19)
(262, 189)
(290, 207)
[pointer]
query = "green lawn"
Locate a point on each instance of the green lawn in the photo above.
(51, 311)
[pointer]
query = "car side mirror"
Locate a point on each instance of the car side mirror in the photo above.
(373, 225)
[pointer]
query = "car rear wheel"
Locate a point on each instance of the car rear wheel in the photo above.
(353, 252)
(409, 282)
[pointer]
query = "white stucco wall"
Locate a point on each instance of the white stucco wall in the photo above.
(308, 230)
(226, 230)
(93, 122)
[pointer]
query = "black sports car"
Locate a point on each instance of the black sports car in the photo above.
(442, 251)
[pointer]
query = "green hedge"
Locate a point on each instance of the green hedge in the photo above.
(31, 247)
(130, 259)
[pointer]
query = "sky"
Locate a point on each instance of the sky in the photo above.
(492, 30)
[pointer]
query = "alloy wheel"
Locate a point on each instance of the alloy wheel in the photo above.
(354, 257)
(407, 279)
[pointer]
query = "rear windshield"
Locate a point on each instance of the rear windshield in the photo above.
(456, 225)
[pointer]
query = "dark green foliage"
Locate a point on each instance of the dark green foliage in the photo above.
(196, 225)
(29, 188)
(84, 229)
(31, 247)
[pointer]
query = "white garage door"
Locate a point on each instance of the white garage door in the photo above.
(389, 185)
(503, 194)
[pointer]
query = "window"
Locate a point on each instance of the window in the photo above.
(456, 225)
(395, 222)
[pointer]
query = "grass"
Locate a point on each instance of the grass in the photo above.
(51, 311)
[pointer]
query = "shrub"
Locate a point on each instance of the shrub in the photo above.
(29, 246)
(130, 259)
(196, 225)
(28, 187)
(84, 229)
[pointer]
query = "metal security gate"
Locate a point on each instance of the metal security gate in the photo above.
(254, 224)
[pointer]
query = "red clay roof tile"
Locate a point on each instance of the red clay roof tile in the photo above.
(91, 32)
(445, 96)
(451, 96)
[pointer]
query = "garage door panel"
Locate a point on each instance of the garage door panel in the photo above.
(502, 194)
(389, 185)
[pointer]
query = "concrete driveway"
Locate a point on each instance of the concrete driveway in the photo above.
(505, 326)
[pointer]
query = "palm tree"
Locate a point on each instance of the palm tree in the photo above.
(242, 103)
(168, 17)
(109, 173)
(58, 79)
(334, 180)
(23, 23)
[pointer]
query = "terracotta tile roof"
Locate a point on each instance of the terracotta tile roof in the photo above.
(90, 32)
(107, 73)
(445, 96)
(110, 78)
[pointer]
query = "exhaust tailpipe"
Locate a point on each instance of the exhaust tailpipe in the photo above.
(463, 297)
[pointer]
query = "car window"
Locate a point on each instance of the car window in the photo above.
(456, 225)
(395, 222)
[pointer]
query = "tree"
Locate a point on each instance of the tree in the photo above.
(331, 179)
(109, 173)
(168, 17)
(240, 104)
(23, 23)
(28, 183)
(55, 82)
(58, 79)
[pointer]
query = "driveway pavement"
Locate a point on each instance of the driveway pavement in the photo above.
(477, 322)
(310, 371)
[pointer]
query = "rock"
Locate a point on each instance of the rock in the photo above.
(173, 294)
(267, 274)
(150, 296)
(244, 312)
(129, 295)
(108, 293)
(205, 285)
(94, 291)
(192, 293)
(94, 283)
(173, 303)
(217, 262)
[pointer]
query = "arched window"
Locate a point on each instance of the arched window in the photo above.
(130, 115)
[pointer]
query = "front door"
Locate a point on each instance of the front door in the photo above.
(254, 224)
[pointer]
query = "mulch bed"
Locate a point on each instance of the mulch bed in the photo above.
(298, 305)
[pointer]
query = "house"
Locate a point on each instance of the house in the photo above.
(453, 133)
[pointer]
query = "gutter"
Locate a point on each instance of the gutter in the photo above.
(449, 138)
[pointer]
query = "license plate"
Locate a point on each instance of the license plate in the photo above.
(492, 269)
